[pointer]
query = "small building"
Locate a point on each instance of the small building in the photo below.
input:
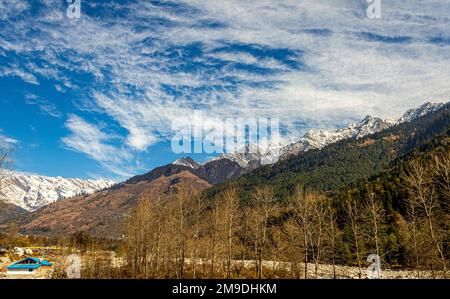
(28, 266)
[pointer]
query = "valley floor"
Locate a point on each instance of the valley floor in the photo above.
(272, 269)
(326, 271)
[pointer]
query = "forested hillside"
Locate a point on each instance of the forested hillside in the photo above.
(411, 203)
(401, 216)
(387, 194)
(344, 163)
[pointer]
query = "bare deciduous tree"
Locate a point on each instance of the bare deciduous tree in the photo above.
(215, 229)
(332, 233)
(303, 209)
(197, 210)
(441, 174)
(375, 217)
(423, 195)
(230, 209)
(138, 230)
(317, 233)
(182, 199)
(263, 202)
(158, 235)
(412, 232)
(5, 163)
(352, 210)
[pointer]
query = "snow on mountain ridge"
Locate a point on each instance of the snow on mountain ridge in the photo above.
(422, 110)
(317, 139)
(247, 154)
(187, 162)
(32, 192)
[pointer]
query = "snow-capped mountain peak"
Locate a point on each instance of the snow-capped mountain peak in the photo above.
(252, 155)
(267, 154)
(32, 192)
(187, 162)
(369, 125)
(422, 110)
(317, 139)
(249, 153)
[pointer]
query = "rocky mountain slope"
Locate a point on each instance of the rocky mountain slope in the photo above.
(317, 139)
(415, 113)
(187, 162)
(346, 162)
(32, 192)
(102, 213)
(9, 211)
(331, 167)
(213, 172)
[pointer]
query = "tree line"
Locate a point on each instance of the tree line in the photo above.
(187, 235)
(184, 235)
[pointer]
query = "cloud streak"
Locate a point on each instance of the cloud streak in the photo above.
(89, 139)
(7, 143)
(45, 106)
(309, 63)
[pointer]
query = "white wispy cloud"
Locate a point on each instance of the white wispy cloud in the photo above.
(17, 72)
(7, 143)
(11, 8)
(87, 138)
(152, 64)
(46, 107)
(9, 140)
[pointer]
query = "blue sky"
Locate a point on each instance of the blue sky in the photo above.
(96, 96)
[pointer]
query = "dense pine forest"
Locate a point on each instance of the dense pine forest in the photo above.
(342, 164)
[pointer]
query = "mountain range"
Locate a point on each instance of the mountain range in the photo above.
(344, 163)
(319, 158)
(317, 139)
(102, 213)
(32, 192)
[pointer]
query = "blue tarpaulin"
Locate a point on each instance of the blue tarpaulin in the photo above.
(29, 263)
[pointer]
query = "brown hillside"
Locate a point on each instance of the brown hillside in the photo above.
(102, 213)
(9, 211)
